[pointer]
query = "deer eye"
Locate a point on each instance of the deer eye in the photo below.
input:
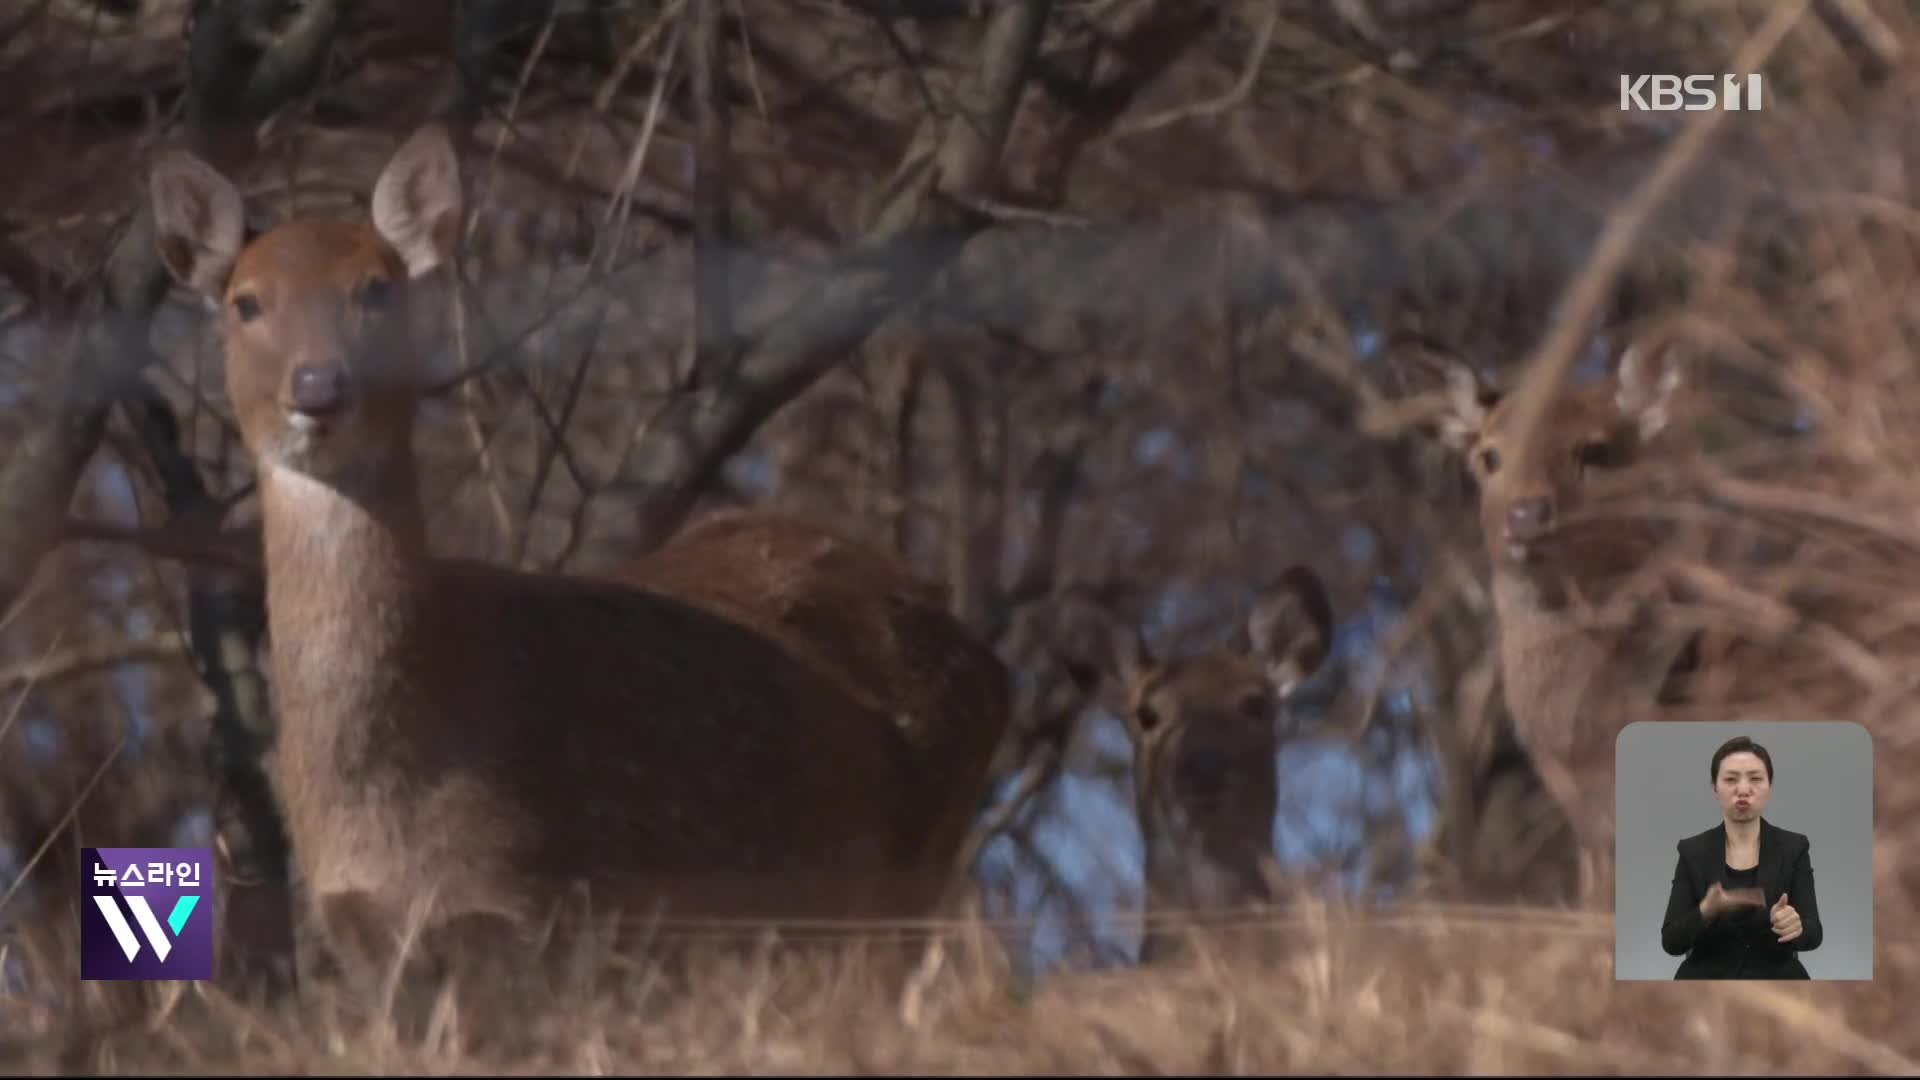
(1594, 453)
(375, 294)
(247, 307)
(1148, 717)
(1489, 461)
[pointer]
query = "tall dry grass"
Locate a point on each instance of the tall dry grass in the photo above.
(1321, 989)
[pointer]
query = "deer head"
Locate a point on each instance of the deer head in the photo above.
(1587, 435)
(1197, 721)
(323, 367)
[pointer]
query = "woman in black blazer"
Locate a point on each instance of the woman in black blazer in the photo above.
(1742, 904)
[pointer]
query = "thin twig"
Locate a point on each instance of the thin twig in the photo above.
(81, 659)
(1242, 89)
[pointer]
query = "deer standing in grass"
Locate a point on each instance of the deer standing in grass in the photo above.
(1572, 682)
(1206, 743)
(488, 738)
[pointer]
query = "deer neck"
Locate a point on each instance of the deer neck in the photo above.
(1554, 664)
(1192, 859)
(347, 576)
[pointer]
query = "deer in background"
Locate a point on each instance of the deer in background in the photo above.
(1572, 682)
(1206, 741)
(486, 738)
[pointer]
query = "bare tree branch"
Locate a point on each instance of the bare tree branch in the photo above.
(712, 229)
(234, 81)
(1256, 59)
(84, 659)
(37, 477)
(796, 352)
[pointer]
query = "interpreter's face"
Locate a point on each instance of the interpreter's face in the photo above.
(1742, 786)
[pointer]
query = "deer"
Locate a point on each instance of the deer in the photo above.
(466, 744)
(887, 635)
(1205, 734)
(1571, 682)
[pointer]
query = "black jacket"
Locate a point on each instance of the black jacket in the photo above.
(1740, 945)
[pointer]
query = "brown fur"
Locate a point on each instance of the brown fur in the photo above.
(886, 635)
(1571, 684)
(486, 739)
(1205, 744)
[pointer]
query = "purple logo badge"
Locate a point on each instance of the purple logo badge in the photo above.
(148, 913)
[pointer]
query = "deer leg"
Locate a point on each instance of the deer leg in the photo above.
(1159, 942)
(360, 941)
(1586, 795)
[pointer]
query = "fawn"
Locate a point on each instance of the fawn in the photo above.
(488, 738)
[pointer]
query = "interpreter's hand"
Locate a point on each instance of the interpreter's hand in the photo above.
(1720, 900)
(1786, 921)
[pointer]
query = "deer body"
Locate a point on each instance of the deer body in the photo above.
(884, 635)
(1571, 689)
(1571, 681)
(488, 739)
(450, 714)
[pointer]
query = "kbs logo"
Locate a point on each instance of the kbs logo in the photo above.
(143, 917)
(1663, 93)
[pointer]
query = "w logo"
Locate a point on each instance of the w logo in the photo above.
(143, 914)
(122, 934)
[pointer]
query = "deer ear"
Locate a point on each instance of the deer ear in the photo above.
(1143, 716)
(1136, 667)
(417, 201)
(1290, 629)
(1465, 398)
(1646, 381)
(198, 221)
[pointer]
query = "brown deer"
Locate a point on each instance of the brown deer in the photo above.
(885, 634)
(487, 738)
(1205, 737)
(1572, 681)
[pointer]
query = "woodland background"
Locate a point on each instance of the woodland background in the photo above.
(1062, 300)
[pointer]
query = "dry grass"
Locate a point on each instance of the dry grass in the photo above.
(1322, 990)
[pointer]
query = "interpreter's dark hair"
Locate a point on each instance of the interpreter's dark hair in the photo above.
(1739, 744)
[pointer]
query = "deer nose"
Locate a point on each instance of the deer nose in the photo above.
(319, 389)
(1527, 519)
